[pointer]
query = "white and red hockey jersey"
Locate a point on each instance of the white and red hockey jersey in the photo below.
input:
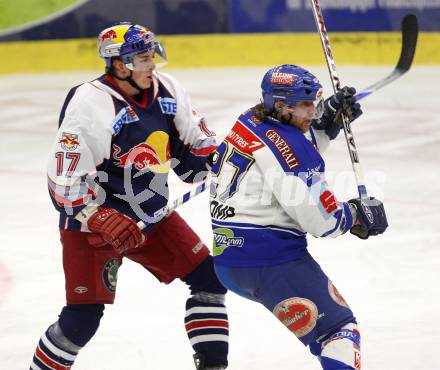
(116, 151)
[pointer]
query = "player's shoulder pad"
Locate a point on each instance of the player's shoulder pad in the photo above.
(243, 137)
(176, 100)
(89, 103)
(90, 90)
(293, 150)
(87, 98)
(174, 87)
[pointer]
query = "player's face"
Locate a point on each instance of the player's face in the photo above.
(301, 115)
(143, 66)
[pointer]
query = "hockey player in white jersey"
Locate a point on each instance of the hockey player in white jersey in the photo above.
(119, 137)
(269, 191)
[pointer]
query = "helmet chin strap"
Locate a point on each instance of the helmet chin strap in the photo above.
(132, 82)
(129, 79)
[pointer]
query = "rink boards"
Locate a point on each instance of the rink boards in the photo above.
(217, 50)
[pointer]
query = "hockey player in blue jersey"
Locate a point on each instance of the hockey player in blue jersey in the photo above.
(268, 191)
(119, 136)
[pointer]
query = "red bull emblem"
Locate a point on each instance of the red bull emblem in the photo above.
(109, 35)
(69, 141)
(153, 154)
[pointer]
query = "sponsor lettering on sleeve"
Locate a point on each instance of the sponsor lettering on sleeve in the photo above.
(328, 201)
(244, 139)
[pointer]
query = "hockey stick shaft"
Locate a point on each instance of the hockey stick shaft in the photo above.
(325, 41)
(378, 85)
(410, 32)
(189, 195)
(179, 201)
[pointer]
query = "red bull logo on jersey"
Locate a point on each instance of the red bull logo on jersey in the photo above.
(153, 154)
(125, 116)
(281, 78)
(69, 141)
(298, 314)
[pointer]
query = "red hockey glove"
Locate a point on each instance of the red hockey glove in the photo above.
(108, 226)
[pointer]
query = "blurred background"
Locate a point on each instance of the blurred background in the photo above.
(59, 35)
(219, 50)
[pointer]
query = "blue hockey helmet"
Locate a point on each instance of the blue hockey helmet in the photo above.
(291, 84)
(125, 40)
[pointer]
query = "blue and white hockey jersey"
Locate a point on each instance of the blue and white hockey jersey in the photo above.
(268, 191)
(129, 146)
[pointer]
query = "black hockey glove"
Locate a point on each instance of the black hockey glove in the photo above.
(371, 217)
(210, 160)
(343, 101)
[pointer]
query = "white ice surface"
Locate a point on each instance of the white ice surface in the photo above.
(390, 281)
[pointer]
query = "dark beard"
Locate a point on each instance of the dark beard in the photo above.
(286, 118)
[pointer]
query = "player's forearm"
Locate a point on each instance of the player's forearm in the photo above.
(71, 195)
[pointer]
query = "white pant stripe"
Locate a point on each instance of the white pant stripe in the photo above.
(206, 310)
(34, 366)
(57, 351)
(202, 320)
(209, 338)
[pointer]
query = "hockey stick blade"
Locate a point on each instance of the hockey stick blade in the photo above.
(410, 32)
